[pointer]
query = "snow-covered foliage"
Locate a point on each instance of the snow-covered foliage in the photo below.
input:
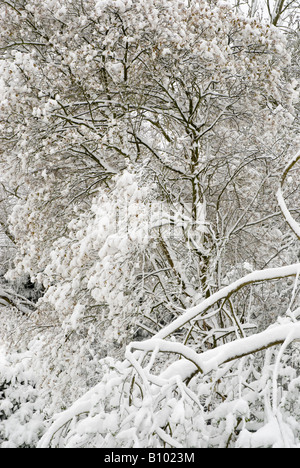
(152, 147)
(22, 417)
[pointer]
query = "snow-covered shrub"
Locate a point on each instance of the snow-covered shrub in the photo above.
(244, 404)
(22, 417)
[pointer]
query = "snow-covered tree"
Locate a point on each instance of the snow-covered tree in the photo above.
(147, 138)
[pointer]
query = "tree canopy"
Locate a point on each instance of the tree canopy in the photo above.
(150, 157)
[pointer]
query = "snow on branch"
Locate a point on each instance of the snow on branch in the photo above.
(213, 358)
(286, 213)
(207, 361)
(254, 277)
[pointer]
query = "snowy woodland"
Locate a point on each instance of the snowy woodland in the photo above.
(149, 224)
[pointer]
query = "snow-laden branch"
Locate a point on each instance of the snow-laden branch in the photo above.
(286, 213)
(254, 277)
(194, 362)
(213, 358)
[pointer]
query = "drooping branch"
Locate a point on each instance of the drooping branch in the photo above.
(269, 274)
(9, 298)
(286, 213)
